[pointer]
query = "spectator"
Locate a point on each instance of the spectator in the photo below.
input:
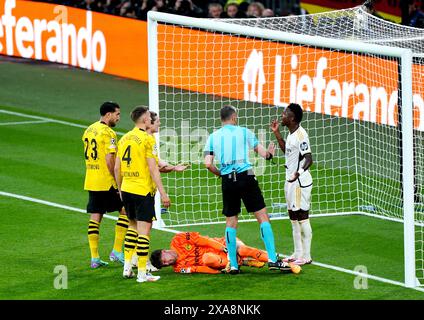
(241, 4)
(297, 10)
(214, 10)
(204, 5)
(243, 7)
(416, 14)
(160, 5)
(267, 13)
(110, 6)
(153, 5)
(91, 5)
(285, 13)
(186, 8)
(370, 7)
(255, 9)
(195, 8)
(127, 10)
(232, 11)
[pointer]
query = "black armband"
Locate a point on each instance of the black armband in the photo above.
(269, 156)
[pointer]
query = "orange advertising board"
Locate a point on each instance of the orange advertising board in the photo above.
(85, 39)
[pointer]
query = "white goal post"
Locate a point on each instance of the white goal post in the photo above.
(194, 190)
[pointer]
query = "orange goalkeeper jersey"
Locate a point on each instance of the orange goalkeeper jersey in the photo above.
(191, 247)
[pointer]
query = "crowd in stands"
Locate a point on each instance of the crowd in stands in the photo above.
(194, 8)
(215, 8)
(416, 14)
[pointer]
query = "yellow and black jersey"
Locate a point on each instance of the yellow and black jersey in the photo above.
(99, 140)
(135, 147)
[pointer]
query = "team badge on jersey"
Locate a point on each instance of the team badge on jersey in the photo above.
(112, 143)
(304, 146)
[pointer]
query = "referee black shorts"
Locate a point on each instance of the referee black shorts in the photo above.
(242, 186)
(104, 201)
(140, 208)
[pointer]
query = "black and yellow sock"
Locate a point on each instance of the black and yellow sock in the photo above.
(143, 246)
(121, 228)
(93, 238)
(130, 244)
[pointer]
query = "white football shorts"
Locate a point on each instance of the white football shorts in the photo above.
(297, 197)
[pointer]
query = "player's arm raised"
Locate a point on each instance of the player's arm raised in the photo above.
(275, 129)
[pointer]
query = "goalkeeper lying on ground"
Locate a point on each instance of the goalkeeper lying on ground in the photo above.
(192, 253)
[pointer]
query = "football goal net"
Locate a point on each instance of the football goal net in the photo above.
(359, 80)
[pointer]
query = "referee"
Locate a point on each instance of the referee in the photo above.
(230, 145)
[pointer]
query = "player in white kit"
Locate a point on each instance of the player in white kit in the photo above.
(298, 185)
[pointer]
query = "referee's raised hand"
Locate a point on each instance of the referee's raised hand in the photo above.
(271, 148)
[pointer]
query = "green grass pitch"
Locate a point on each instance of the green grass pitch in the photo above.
(43, 160)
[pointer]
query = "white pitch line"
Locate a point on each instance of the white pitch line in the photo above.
(61, 206)
(67, 123)
(48, 203)
(41, 118)
(322, 265)
(361, 274)
(23, 122)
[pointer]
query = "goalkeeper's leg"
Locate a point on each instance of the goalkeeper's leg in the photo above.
(250, 252)
(252, 257)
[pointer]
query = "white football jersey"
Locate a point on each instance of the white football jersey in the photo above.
(297, 145)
